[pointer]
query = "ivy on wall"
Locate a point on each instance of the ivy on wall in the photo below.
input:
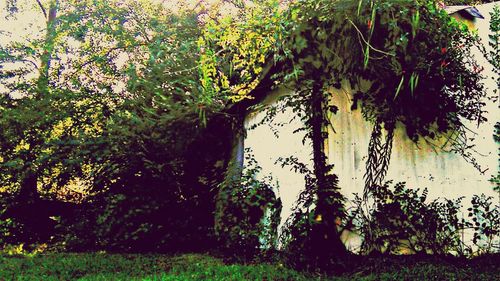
(417, 60)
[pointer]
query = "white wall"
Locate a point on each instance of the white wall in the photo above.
(445, 174)
(267, 148)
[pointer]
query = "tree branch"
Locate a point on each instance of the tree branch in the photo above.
(368, 43)
(42, 8)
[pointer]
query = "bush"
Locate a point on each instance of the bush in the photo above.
(486, 224)
(142, 216)
(402, 222)
(298, 240)
(25, 223)
(154, 188)
(248, 213)
(10, 229)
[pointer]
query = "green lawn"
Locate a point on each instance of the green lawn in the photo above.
(97, 266)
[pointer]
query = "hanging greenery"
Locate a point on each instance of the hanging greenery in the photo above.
(416, 57)
(408, 61)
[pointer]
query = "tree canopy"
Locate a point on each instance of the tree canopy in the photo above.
(102, 100)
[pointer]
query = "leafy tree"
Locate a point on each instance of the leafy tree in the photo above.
(236, 51)
(115, 110)
(155, 160)
(24, 120)
(418, 62)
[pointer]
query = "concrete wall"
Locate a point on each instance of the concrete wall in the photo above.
(268, 142)
(445, 174)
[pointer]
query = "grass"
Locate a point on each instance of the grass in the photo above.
(97, 266)
(102, 266)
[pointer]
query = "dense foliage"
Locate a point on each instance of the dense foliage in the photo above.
(110, 128)
(117, 124)
(417, 59)
(408, 61)
(403, 222)
(235, 51)
(248, 213)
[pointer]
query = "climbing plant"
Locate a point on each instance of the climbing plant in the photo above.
(493, 57)
(408, 62)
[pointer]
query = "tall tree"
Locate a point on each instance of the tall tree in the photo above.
(29, 181)
(107, 98)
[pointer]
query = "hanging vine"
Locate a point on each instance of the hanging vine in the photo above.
(379, 156)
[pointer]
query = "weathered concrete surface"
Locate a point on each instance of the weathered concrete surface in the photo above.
(420, 165)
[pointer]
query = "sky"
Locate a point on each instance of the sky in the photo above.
(28, 21)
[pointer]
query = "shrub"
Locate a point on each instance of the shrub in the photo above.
(154, 188)
(24, 223)
(486, 224)
(401, 221)
(298, 240)
(248, 212)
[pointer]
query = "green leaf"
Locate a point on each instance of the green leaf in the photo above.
(399, 87)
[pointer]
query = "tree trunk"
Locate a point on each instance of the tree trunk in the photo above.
(28, 189)
(43, 79)
(29, 211)
(326, 243)
(28, 192)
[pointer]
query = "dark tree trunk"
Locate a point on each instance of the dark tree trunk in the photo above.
(30, 210)
(326, 243)
(28, 192)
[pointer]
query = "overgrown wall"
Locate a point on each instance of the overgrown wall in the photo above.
(426, 164)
